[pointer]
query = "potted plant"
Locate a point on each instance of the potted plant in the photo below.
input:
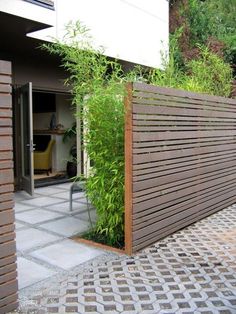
(71, 166)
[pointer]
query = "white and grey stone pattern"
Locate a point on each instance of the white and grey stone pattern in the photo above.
(192, 271)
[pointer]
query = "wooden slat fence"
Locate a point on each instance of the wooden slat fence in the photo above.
(8, 281)
(180, 160)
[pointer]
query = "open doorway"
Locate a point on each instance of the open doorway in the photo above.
(41, 117)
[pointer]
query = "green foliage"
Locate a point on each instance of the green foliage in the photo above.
(212, 18)
(208, 73)
(97, 85)
(98, 92)
(87, 66)
(104, 115)
(198, 19)
(172, 73)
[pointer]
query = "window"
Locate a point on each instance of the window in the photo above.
(44, 3)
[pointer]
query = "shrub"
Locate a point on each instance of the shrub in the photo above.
(104, 142)
(97, 85)
(208, 74)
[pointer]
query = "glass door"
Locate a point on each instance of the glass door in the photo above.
(27, 146)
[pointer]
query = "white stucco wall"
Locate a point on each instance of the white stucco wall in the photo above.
(29, 11)
(132, 30)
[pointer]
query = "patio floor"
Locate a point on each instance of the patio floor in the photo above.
(43, 226)
(192, 271)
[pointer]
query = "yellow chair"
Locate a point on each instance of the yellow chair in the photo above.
(43, 160)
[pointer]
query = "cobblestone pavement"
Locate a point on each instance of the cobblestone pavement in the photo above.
(192, 271)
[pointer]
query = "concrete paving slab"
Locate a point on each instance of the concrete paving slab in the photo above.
(42, 201)
(20, 207)
(80, 199)
(32, 238)
(65, 208)
(64, 186)
(85, 216)
(48, 190)
(29, 272)
(36, 216)
(22, 195)
(19, 225)
(63, 194)
(66, 254)
(67, 226)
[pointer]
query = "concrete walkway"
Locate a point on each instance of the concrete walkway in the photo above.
(43, 225)
(192, 271)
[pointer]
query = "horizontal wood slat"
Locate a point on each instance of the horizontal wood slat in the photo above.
(182, 101)
(5, 67)
(5, 88)
(181, 93)
(6, 176)
(164, 220)
(7, 237)
(7, 300)
(7, 249)
(184, 159)
(8, 260)
(9, 307)
(5, 101)
(7, 269)
(8, 288)
(184, 223)
(8, 274)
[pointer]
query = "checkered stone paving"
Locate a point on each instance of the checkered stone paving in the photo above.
(191, 271)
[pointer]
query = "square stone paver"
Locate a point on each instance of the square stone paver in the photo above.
(63, 194)
(19, 225)
(48, 190)
(64, 186)
(21, 207)
(21, 196)
(85, 215)
(32, 238)
(35, 216)
(66, 254)
(29, 272)
(65, 208)
(66, 226)
(42, 201)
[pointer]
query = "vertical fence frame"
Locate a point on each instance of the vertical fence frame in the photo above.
(128, 168)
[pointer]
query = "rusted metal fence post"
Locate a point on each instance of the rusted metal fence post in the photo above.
(128, 168)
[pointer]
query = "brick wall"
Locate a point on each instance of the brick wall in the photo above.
(8, 274)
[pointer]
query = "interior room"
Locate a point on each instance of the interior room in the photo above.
(53, 114)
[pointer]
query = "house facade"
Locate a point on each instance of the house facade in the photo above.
(128, 30)
(33, 94)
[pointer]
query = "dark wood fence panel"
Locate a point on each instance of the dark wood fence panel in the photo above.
(8, 275)
(183, 160)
